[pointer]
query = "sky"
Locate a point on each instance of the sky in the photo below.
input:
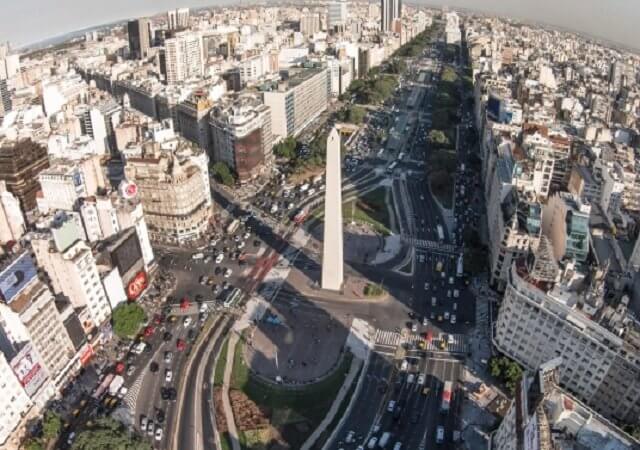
(28, 21)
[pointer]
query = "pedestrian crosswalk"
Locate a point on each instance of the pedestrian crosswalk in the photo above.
(132, 395)
(388, 338)
(439, 343)
(430, 245)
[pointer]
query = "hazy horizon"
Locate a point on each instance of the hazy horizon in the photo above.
(21, 27)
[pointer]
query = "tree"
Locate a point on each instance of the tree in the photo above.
(223, 174)
(507, 371)
(127, 319)
(108, 434)
(51, 425)
(33, 444)
(438, 138)
(286, 149)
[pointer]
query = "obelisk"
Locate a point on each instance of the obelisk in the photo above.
(332, 263)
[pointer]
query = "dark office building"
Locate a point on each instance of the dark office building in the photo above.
(139, 38)
(20, 164)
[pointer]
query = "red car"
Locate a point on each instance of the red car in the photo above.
(120, 368)
(158, 319)
(184, 303)
(181, 345)
(149, 331)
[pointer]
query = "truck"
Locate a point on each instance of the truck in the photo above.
(447, 393)
(460, 266)
(102, 388)
(384, 439)
(233, 226)
(440, 232)
(115, 385)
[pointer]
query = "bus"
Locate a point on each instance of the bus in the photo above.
(460, 266)
(447, 393)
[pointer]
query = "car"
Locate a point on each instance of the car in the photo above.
(455, 306)
(227, 273)
(372, 442)
(450, 280)
(191, 335)
(350, 437)
(71, 437)
(410, 378)
(439, 434)
(456, 293)
(180, 345)
(167, 336)
(187, 321)
(439, 318)
(143, 422)
(404, 365)
(432, 316)
(446, 315)
(158, 434)
(453, 319)
(168, 356)
(168, 375)
(414, 328)
(130, 370)
(153, 367)
(426, 286)
(160, 416)
(450, 339)
(150, 428)
(448, 293)
(219, 258)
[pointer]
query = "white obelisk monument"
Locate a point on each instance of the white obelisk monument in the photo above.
(332, 263)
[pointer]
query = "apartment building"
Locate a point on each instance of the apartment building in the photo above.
(297, 101)
(241, 136)
(541, 319)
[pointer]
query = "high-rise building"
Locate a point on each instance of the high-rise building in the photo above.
(337, 15)
(309, 24)
(241, 136)
(176, 200)
(20, 164)
(183, 57)
(565, 220)
(178, 19)
(12, 226)
(542, 317)
(28, 314)
(390, 10)
(5, 98)
(298, 101)
(541, 409)
(139, 38)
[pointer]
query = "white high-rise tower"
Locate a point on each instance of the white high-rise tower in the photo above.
(332, 252)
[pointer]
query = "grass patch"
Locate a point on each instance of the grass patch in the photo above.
(225, 441)
(371, 209)
(218, 374)
(294, 412)
(373, 290)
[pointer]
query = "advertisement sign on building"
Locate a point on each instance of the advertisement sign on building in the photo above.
(16, 276)
(29, 370)
(128, 189)
(127, 254)
(137, 285)
(86, 354)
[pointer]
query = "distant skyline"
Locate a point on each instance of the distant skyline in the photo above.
(26, 22)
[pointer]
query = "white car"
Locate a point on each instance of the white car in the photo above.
(414, 328)
(455, 306)
(227, 273)
(421, 379)
(350, 436)
(71, 437)
(456, 293)
(219, 258)
(168, 375)
(372, 442)
(453, 319)
(448, 293)
(446, 315)
(240, 245)
(158, 434)
(391, 406)
(404, 366)
(187, 321)
(426, 286)
(410, 378)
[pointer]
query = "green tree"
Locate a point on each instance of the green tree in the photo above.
(127, 319)
(223, 174)
(438, 138)
(286, 149)
(51, 425)
(108, 434)
(507, 371)
(33, 444)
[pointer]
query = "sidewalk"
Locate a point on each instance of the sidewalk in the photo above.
(226, 403)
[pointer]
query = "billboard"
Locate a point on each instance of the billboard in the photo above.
(86, 354)
(29, 370)
(125, 255)
(493, 107)
(128, 189)
(16, 276)
(137, 285)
